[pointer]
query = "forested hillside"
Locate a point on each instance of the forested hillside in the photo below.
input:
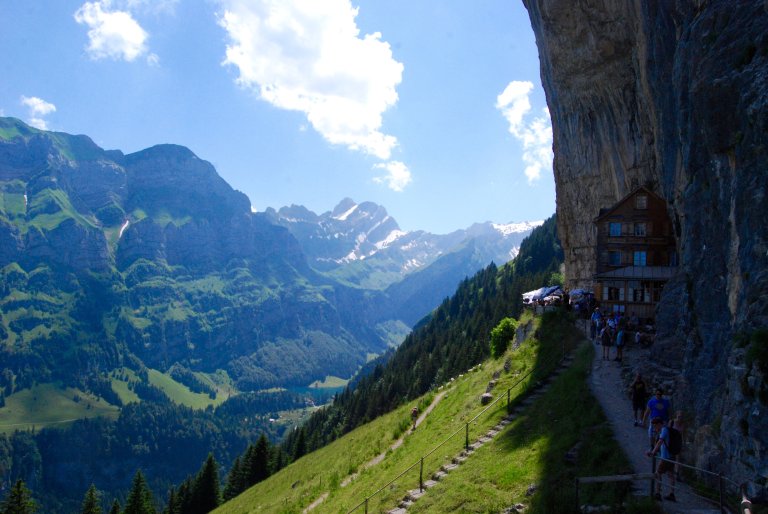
(452, 339)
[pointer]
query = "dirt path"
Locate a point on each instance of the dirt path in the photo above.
(610, 390)
(376, 460)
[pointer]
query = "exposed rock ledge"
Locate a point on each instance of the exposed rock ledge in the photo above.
(674, 95)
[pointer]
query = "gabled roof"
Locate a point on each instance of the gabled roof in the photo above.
(642, 189)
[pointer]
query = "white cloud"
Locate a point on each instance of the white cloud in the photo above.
(535, 134)
(308, 56)
(38, 108)
(112, 34)
(398, 175)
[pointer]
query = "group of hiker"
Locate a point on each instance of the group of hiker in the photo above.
(611, 331)
(665, 438)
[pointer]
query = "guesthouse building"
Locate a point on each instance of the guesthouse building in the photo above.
(636, 254)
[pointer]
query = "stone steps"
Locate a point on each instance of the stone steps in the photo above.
(534, 394)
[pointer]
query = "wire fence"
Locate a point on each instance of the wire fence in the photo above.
(431, 461)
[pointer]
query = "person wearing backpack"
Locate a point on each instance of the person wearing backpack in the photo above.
(664, 446)
(678, 423)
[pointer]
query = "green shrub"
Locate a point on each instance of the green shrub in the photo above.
(501, 336)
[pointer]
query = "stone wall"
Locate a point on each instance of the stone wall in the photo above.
(673, 95)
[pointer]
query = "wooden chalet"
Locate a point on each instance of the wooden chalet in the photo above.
(636, 254)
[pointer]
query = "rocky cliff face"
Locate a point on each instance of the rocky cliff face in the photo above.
(674, 95)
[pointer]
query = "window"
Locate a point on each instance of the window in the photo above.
(641, 202)
(615, 229)
(640, 259)
(640, 229)
(613, 291)
(614, 258)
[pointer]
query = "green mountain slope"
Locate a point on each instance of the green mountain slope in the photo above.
(528, 451)
(151, 259)
(452, 339)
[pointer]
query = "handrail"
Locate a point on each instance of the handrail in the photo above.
(466, 426)
(745, 505)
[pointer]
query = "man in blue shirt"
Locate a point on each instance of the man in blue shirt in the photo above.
(657, 407)
(595, 321)
(666, 464)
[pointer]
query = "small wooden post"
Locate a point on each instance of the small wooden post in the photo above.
(466, 438)
(720, 488)
(421, 476)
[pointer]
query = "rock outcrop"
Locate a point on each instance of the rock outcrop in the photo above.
(674, 96)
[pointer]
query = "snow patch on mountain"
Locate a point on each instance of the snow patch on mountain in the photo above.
(391, 238)
(343, 216)
(516, 228)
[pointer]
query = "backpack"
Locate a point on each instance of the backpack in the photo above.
(675, 441)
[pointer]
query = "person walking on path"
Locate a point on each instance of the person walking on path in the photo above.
(606, 340)
(678, 423)
(666, 465)
(639, 392)
(657, 407)
(595, 323)
(619, 344)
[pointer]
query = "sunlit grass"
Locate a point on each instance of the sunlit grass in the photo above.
(180, 393)
(530, 450)
(50, 405)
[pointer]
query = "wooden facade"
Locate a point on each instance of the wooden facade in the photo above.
(636, 254)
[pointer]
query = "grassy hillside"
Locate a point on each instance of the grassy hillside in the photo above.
(50, 405)
(529, 451)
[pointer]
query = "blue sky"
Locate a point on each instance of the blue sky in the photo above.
(432, 108)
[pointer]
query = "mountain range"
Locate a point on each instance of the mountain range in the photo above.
(151, 260)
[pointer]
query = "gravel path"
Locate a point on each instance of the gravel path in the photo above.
(612, 392)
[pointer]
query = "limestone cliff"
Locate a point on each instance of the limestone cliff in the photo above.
(674, 95)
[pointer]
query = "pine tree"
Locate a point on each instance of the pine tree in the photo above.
(18, 501)
(257, 465)
(140, 498)
(235, 484)
(91, 502)
(174, 503)
(206, 491)
(301, 445)
(115, 509)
